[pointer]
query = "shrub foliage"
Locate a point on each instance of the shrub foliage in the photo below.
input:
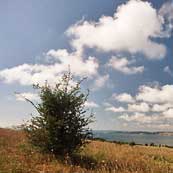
(61, 126)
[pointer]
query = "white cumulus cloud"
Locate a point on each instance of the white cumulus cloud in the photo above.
(150, 105)
(155, 94)
(168, 113)
(100, 81)
(139, 107)
(161, 107)
(27, 95)
(28, 74)
(139, 117)
(167, 12)
(115, 109)
(124, 65)
(130, 29)
(124, 97)
(91, 104)
(168, 70)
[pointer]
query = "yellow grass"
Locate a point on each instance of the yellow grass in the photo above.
(17, 156)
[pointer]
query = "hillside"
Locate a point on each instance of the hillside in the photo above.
(17, 156)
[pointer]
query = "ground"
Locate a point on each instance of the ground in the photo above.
(18, 156)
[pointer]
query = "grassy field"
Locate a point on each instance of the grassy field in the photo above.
(17, 156)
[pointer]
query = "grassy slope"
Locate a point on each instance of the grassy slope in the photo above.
(17, 156)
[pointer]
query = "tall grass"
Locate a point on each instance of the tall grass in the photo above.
(17, 156)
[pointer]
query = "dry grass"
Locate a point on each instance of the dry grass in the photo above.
(17, 156)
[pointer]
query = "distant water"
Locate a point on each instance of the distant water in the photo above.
(138, 138)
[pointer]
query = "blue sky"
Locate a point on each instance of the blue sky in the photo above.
(125, 49)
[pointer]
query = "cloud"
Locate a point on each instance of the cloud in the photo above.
(131, 29)
(156, 94)
(28, 95)
(167, 12)
(124, 65)
(168, 70)
(163, 126)
(114, 109)
(139, 107)
(100, 82)
(161, 107)
(122, 32)
(124, 97)
(28, 74)
(168, 113)
(136, 107)
(78, 65)
(91, 104)
(150, 105)
(139, 117)
(106, 104)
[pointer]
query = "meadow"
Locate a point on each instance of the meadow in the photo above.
(18, 156)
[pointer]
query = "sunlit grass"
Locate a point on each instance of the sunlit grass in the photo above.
(17, 156)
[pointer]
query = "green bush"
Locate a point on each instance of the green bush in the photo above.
(152, 144)
(61, 126)
(132, 143)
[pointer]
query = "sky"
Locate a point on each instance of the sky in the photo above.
(125, 48)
